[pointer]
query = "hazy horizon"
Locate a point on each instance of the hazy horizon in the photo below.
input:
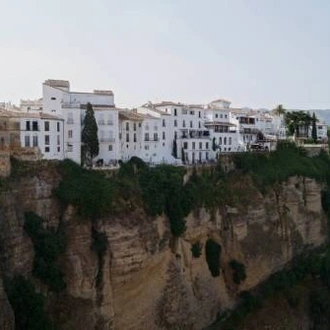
(254, 53)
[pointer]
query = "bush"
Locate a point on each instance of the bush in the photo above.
(28, 305)
(212, 253)
(238, 268)
(48, 245)
(89, 191)
(196, 249)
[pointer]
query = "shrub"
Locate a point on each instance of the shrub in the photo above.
(48, 245)
(196, 249)
(212, 253)
(87, 190)
(28, 305)
(238, 268)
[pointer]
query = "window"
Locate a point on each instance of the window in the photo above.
(192, 112)
(46, 149)
(199, 124)
(53, 110)
(163, 135)
(229, 140)
(58, 140)
(146, 147)
(46, 140)
(191, 124)
(185, 145)
(46, 125)
(53, 98)
(127, 127)
(140, 124)
(110, 147)
(134, 126)
(34, 126)
(28, 126)
(35, 141)
(58, 149)
(206, 145)
(146, 136)
(200, 145)
(183, 123)
(216, 115)
(58, 127)
(69, 147)
(193, 145)
(175, 123)
(224, 140)
(221, 116)
(175, 134)
(220, 140)
(199, 114)
(184, 111)
(27, 141)
(127, 137)
(70, 133)
(175, 112)
(225, 116)
(134, 137)
(155, 128)
(163, 122)
(155, 136)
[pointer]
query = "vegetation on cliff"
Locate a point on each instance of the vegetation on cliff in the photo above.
(48, 245)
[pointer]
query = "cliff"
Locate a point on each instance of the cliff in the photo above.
(147, 278)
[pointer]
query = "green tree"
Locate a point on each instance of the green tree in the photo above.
(90, 142)
(175, 149)
(314, 133)
(214, 145)
(279, 110)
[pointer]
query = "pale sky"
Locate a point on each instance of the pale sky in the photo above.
(256, 53)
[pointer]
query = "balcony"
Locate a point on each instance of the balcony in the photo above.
(151, 139)
(107, 139)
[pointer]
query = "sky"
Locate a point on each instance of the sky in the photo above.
(256, 53)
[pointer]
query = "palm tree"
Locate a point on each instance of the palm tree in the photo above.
(279, 110)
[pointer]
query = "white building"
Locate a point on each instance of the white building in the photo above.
(71, 106)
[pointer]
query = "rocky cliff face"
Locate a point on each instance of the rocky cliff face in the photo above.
(147, 278)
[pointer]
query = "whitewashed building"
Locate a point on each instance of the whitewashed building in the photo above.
(60, 101)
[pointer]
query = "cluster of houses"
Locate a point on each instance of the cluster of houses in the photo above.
(165, 132)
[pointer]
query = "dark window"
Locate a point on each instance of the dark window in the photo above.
(28, 126)
(185, 145)
(46, 149)
(46, 139)
(58, 127)
(175, 112)
(53, 98)
(110, 147)
(34, 126)
(134, 137)
(146, 137)
(27, 141)
(134, 126)
(163, 122)
(199, 114)
(127, 137)
(163, 135)
(155, 136)
(127, 126)
(46, 125)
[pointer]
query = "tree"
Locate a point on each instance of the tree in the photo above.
(90, 142)
(279, 110)
(183, 156)
(175, 149)
(314, 133)
(214, 145)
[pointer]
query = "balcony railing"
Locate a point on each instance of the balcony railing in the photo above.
(151, 139)
(107, 139)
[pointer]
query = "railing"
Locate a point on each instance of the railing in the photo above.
(107, 139)
(151, 139)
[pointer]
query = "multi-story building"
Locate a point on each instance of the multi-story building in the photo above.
(71, 106)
